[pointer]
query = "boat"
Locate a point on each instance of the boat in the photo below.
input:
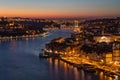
(89, 68)
(79, 66)
(42, 55)
(109, 74)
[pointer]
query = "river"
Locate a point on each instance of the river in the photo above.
(19, 61)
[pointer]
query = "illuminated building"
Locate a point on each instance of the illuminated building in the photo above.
(113, 40)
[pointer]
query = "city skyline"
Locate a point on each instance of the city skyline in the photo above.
(60, 8)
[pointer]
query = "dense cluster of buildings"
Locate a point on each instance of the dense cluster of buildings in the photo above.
(17, 26)
(103, 36)
(98, 39)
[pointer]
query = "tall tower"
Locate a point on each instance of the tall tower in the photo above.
(76, 27)
(76, 23)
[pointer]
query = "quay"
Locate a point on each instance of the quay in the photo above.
(83, 63)
(90, 53)
(24, 36)
(80, 64)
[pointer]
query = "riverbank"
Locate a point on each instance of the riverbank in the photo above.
(24, 36)
(81, 62)
(19, 60)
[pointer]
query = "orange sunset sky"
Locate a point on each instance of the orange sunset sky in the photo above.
(59, 8)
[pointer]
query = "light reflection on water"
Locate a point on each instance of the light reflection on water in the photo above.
(58, 67)
(19, 61)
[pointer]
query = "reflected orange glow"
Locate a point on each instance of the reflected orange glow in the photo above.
(89, 77)
(77, 77)
(50, 60)
(83, 75)
(110, 78)
(26, 39)
(101, 76)
(65, 70)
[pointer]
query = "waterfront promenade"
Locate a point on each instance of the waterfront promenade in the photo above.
(24, 36)
(77, 60)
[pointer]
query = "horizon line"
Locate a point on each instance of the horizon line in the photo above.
(61, 17)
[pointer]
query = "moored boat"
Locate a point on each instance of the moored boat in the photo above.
(42, 55)
(89, 68)
(80, 66)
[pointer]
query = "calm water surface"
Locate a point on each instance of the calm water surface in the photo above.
(19, 61)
